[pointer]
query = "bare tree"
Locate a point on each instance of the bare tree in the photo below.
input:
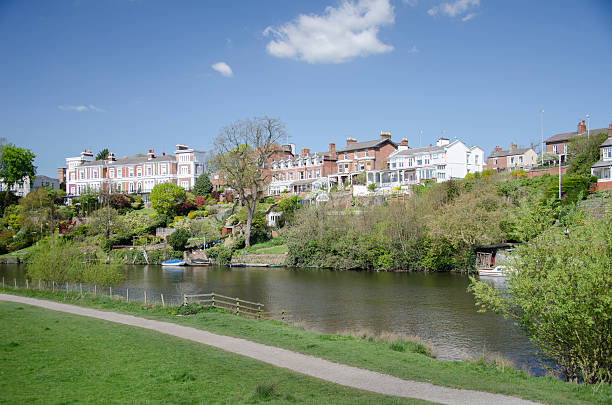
(242, 151)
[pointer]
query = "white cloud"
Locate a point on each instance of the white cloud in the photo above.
(339, 35)
(468, 17)
(411, 3)
(223, 68)
(455, 9)
(80, 108)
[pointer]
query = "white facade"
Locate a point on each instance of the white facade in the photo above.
(136, 174)
(444, 161)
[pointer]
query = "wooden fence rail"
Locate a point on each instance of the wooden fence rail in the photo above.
(234, 304)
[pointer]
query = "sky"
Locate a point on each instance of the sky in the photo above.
(141, 74)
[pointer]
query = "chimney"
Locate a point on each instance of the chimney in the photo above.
(581, 127)
(497, 149)
(151, 155)
(305, 152)
(385, 135)
(512, 146)
(163, 153)
(350, 141)
(332, 147)
(111, 157)
(403, 145)
(610, 130)
(87, 155)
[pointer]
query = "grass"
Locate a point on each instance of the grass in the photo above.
(365, 350)
(273, 246)
(51, 357)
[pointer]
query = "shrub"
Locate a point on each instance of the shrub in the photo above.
(167, 197)
(560, 295)
(190, 308)
(202, 186)
(220, 254)
(372, 187)
(192, 215)
(199, 201)
(178, 239)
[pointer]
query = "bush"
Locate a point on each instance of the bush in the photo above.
(560, 295)
(220, 254)
(199, 201)
(167, 197)
(178, 239)
(202, 186)
(192, 215)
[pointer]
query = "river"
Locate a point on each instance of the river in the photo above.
(435, 306)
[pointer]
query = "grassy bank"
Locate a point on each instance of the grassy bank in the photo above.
(391, 356)
(50, 357)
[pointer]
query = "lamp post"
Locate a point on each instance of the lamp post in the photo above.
(542, 135)
(588, 117)
(559, 178)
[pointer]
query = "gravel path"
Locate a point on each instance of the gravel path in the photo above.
(312, 366)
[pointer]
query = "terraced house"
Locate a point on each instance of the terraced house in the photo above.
(511, 159)
(603, 168)
(440, 162)
(357, 157)
(135, 174)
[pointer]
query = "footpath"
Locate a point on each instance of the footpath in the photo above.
(312, 366)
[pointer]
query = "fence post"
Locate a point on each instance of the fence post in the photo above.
(27, 284)
(95, 289)
(184, 298)
(38, 284)
(283, 316)
(2, 282)
(258, 311)
(163, 303)
(66, 287)
(213, 300)
(81, 288)
(52, 285)
(145, 297)
(15, 284)
(127, 295)
(110, 291)
(237, 306)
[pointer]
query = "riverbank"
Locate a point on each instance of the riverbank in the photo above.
(363, 352)
(64, 358)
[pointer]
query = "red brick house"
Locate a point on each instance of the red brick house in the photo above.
(559, 143)
(603, 168)
(357, 157)
(511, 159)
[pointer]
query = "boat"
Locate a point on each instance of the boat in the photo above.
(275, 265)
(497, 271)
(236, 265)
(173, 262)
(487, 258)
(199, 262)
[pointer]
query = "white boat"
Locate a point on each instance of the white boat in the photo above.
(497, 271)
(173, 262)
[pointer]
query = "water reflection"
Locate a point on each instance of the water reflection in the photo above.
(434, 306)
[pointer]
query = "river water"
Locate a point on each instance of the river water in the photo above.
(435, 306)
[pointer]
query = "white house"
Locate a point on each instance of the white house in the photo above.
(441, 162)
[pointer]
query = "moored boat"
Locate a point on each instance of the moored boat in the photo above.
(173, 262)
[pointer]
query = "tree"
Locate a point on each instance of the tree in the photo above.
(105, 221)
(102, 155)
(242, 151)
(560, 295)
(583, 152)
(167, 197)
(202, 186)
(178, 239)
(16, 164)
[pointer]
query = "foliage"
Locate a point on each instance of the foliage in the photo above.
(241, 152)
(192, 215)
(59, 260)
(16, 164)
(561, 296)
(220, 254)
(7, 198)
(583, 152)
(573, 188)
(202, 186)
(167, 197)
(178, 239)
(288, 206)
(372, 187)
(89, 201)
(199, 201)
(360, 178)
(136, 256)
(102, 155)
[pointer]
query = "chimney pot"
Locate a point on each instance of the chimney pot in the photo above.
(163, 153)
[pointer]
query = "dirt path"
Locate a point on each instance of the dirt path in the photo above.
(312, 366)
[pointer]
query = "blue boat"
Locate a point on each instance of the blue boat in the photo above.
(173, 262)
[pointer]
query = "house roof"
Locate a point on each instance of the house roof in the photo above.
(568, 135)
(603, 163)
(131, 160)
(365, 144)
(407, 152)
(502, 153)
(607, 142)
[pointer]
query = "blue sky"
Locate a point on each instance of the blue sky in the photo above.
(134, 75)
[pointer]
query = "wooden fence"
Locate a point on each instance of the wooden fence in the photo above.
(236, 305)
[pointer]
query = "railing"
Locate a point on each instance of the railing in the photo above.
(235, 305)
(254, 310)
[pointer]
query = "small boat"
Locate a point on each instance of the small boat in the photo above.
(199, 262)
(497, 271)
(236, 265)
(173, 262)
(275, 265)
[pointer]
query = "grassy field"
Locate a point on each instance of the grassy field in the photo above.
(392, 357)
(273, 246)
(50, 357)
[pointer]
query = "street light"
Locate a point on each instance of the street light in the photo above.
(588, 117)
(559, 178)
(542, 135)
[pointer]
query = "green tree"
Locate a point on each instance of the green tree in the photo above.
(178, 239)
(288, 206)
(242, 152)
(102, 155)
(166, 198)
(203, 186)
(561, 295)
(16, 164)
(583, 152)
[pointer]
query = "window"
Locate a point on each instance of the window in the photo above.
(346, 167)
(427, 160)
(131, 187)
(606, 173)
(367, 153)
(71, 176)
(607, 153)
(302, 175)
(118, 187)
(345, 156)
(361, 167)
(132, 173)
(139, 172)
(184, 170)
(565, 148)
(512, 159)
(111, 173)
(369, 164)
(495, 161)
(185, 184)
(339, 168)
(419, 162)
(291, 176)
(139, 187)
(356, 155)
(95, 173)
(520, 159)
(355, 167)
(164, 169)
(82, 174)
(119, 172)
(149, 170)
(317, 173)
(555, 149)
(410, 162)
(476, 159)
